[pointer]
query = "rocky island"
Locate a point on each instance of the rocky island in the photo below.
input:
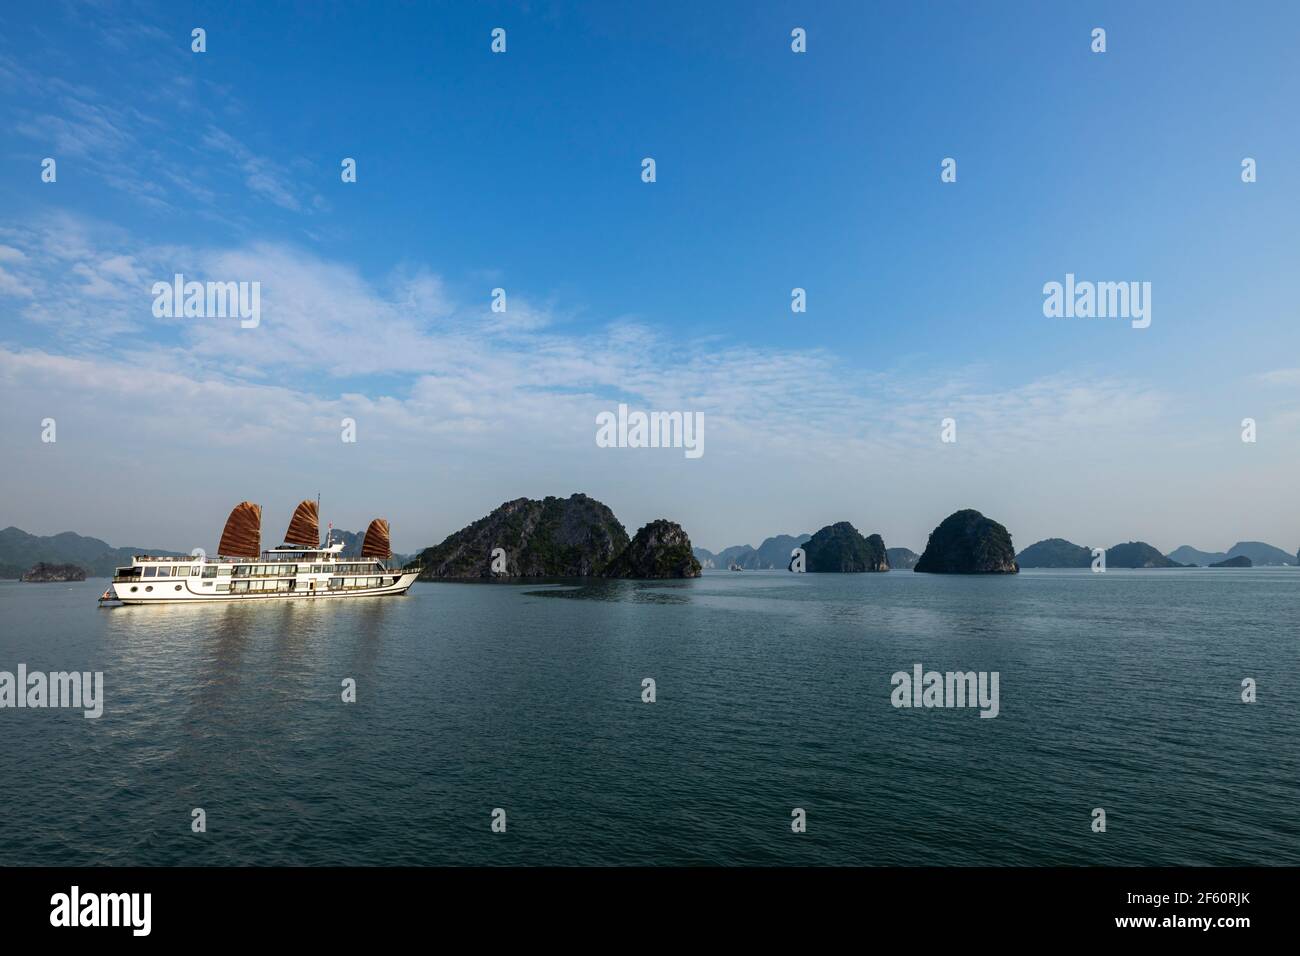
(840, 547)
(1260, 554)
(902, 559)
(966, 542)
(1055, 553)
(43, 573)
(1137, 554)
(659, 550)
(572, 537)
(555, 537)
(773, 554)
(20, 550)
(1191, 557)
(1240, 561)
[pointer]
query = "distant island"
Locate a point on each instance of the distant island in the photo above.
(966, 542)
(1137, 554)
(1259, 553)
(576, 536)
(840, 547)
(97, 559)
(553, 551)
(1189, 556)
(1059, 553)
(1055, 553)
(19, 551)
(902, 559)
(43, 573)
(772, 554)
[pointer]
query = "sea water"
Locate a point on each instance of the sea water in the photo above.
(1120, 691)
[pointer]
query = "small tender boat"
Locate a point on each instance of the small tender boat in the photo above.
(302, 567)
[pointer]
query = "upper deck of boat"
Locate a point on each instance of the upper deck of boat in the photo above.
(295, 556)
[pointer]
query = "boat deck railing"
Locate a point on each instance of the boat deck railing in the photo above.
(379, 565)
(137, 579)
(320, 557)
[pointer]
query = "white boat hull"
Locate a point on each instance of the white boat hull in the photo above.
(181, 591)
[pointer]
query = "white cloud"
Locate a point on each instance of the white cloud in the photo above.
(264, 176)
(1281, 376)
(11, 285)
(88, 131)
(161, 149)
(440, 359)
(459, 408)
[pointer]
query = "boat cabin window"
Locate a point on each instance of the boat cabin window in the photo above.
(150, 572)
(209, 570)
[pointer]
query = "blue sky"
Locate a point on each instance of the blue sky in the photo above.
(774, 170)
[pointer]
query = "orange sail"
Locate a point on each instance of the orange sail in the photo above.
(304, 527)
(242, 536)
(376, 543)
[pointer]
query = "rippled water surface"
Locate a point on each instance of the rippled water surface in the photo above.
(1119, 691)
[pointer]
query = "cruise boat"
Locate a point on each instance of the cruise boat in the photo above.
(302, 567)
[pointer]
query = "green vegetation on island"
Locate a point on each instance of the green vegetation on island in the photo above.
(840, 547)
(1137, 554)
(554, 537)
(19, 551)
(902, 559)
(661, 549)
(569, 537)
(966, 542)
(772, 554)
(45, 573)
(1055, 553)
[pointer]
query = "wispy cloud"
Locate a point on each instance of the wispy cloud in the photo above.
(162, 145)
(1281, 376)
(84, 131)
(323, 322)
(266, 177)
(503, 403)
